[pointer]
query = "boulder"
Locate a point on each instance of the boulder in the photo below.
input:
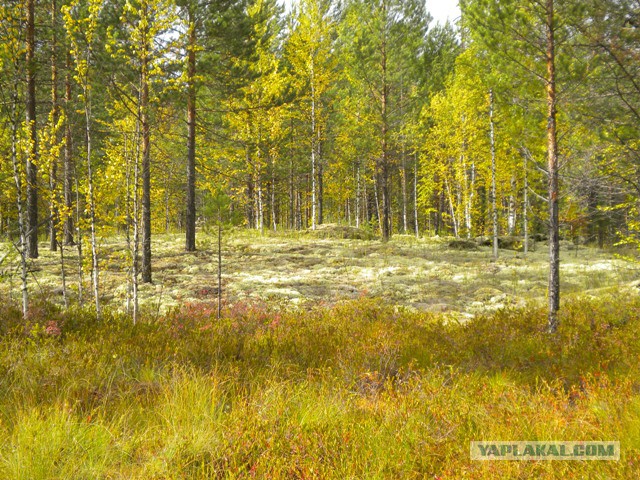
(460, 244)
(345, 232)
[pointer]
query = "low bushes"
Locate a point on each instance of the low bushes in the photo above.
(357, 390)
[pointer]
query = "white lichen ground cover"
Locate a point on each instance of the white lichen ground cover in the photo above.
(422, 274)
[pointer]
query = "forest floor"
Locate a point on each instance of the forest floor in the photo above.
(308, 374)
(302, 269)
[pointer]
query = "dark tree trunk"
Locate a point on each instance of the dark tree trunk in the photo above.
(552, 153)
(384, 160)
(292, 222)
(53, 173)
(250, 199)
(146, 170)
(190, 244)
(32, 169)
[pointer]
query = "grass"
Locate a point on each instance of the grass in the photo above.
(352, 390)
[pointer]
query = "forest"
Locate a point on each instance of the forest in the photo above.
(318, 239)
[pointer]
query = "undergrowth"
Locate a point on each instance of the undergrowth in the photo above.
(356, 390)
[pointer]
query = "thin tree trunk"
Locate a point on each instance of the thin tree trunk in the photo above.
(365, 197)
(22, 227)
(92, 207)
(128, 222)
(136, 221)
(452, 207)
(347, 211)
(403, 165)
(256, 204)
(511, 220)
(167, 218)
(299, 210)
(467, 198)
(386, 201)
(552, 153)
(251, 201)
(358, 195)
(274, 218)
(79, 245)
(190, 245)
(494, 209)
(63, 277)
(403, 179)
(260, 207)
(384, 105)
(146, 166)
(68, 156)
(53, 210)
(320, 185)
(470, 200)
(415, 197)
(378, 207)
(525, 212)
(292, 222)
(219, 262)
(313, 150)
(32, 159)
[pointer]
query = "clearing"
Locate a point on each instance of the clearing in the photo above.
(304, 269)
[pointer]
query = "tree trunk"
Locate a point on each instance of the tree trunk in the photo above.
(250, 206)
(167, 209)
(272, 200)
(299, 210)
(384, 160)
(454, 219)
(552, 154)
(386, 203)
(313, 151)
(146, 165)
(415, 197)
(136, 221)
(22, 228)
(79, 244)
(92, 207)
(68, 156)
(525, 210)
(53, 172)
(494, 209)
(511, 220)
(471, 195)
(403, 180)
(320, 185)
(365, 197)
(292, 223)
(260, 225)
(358, 195)
(32, 160)
(63, 278)
(129, 221)
(219, 262)
(190, 244)
(378, 206)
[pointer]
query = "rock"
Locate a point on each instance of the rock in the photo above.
(484, 241)
(345, 232)
(510, 243)
(539, 237)
(460, 244)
